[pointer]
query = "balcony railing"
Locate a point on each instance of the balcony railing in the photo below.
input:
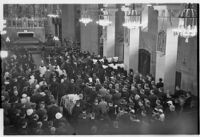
(26, 23)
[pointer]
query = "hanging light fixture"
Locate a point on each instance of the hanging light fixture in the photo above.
(104, 19)
(187, 26)
(85, 18)
(132, 17)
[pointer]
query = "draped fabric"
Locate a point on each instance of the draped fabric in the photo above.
(69, 101)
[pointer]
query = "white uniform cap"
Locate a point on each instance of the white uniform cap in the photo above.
(29, 112)
(58, 115)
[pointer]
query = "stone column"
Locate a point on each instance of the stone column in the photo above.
(134, 49)
(131, 49)
(109, 39)
(1, 15)
(161, 48)
(166, 60)
(119, 34)
(148, 35)
(89, 33)
(170, 60)
(68, 20)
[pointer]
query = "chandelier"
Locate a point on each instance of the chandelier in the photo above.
(187, 26)
(132, 17)
(104, 19)
(85, 19)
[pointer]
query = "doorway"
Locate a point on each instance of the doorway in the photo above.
(178, 79)
(144, 62)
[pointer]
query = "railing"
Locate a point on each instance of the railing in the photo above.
(26, 23)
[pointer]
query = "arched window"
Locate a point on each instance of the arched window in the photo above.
(161, 45)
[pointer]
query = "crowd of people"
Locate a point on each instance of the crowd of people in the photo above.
(110, 100)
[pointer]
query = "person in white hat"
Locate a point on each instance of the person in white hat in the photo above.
(59, 119)
(170, 102)
(42, 69)
(31, 80)
(162, 117)
(37, 86)
(23, 100)
(29, 112)
(170, 111)
(58, 115)
(24, 95)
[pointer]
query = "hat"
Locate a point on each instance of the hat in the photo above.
(32, 77)
(29, 112)
(156, 109)
(6, 82)
(37, 86)
(115, 59)
(101, 60)
(137, 97)
(58, 115)
(42, 93)
(104, 66)
(24, 95)
(6, 73)
(90, 79)
(170, 102)
(28, 99)
(23, 100)
(160, 110)
(94, 61)
(132, 111)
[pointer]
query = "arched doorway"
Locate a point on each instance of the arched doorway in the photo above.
(144, 61)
